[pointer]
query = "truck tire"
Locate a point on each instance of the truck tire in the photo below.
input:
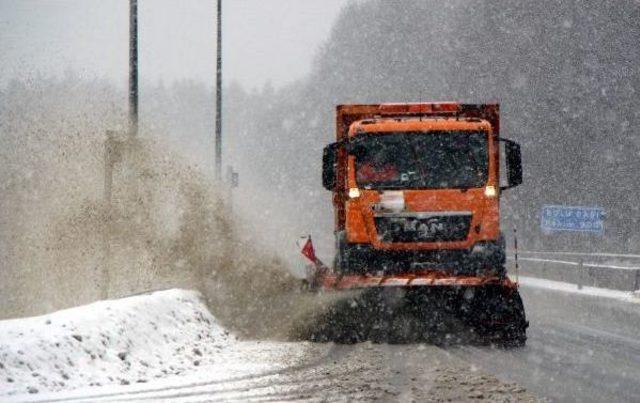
(497, 316)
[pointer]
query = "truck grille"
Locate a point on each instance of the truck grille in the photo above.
(423, 227)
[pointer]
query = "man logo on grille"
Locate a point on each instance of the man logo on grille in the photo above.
(430, 227)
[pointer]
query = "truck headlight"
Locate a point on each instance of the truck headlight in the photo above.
(354, 193)
(490, 191)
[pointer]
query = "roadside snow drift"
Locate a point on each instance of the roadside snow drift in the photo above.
(132, 340)
(166, 346)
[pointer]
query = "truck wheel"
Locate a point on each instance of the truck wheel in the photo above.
(513, 332)
(497, 316)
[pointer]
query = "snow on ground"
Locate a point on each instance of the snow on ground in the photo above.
(132, 340)
(611, 264)
(625, 296)
(166, 346)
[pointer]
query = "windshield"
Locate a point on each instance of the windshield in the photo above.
(430, 160)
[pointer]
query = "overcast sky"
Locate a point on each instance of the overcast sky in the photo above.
(264, 40)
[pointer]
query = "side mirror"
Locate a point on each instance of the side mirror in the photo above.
(513, 159)
(329, 163)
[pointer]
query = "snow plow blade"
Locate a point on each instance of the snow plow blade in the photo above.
(321, 277)
(428, 305)
(328, 281)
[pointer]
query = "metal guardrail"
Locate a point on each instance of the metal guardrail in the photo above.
(581, 262)
(584, 255)
(603, 270)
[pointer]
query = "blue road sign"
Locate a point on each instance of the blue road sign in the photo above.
(578, 219)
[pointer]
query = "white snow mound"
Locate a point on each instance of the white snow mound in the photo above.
(135, 339)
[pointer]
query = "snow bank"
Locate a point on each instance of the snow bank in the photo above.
(625, 296)
(118, 342)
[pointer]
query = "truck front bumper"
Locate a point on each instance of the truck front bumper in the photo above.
(483, 258)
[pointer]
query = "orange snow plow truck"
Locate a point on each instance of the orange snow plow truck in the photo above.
(416, 195)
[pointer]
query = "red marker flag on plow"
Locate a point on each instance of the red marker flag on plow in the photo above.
(309, 252)
(318, 270)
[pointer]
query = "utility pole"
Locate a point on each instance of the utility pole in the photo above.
(133, 67)
(118, 148)
(218, 136)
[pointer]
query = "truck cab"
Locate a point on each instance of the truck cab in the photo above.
(417, 187)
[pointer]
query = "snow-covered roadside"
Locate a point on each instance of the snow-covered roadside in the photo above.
(626, 296)
(166, 346)
(127, 341)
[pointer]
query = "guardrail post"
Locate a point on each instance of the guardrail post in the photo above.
(580, 273)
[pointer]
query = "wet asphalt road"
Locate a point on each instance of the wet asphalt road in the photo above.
(580, 349)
